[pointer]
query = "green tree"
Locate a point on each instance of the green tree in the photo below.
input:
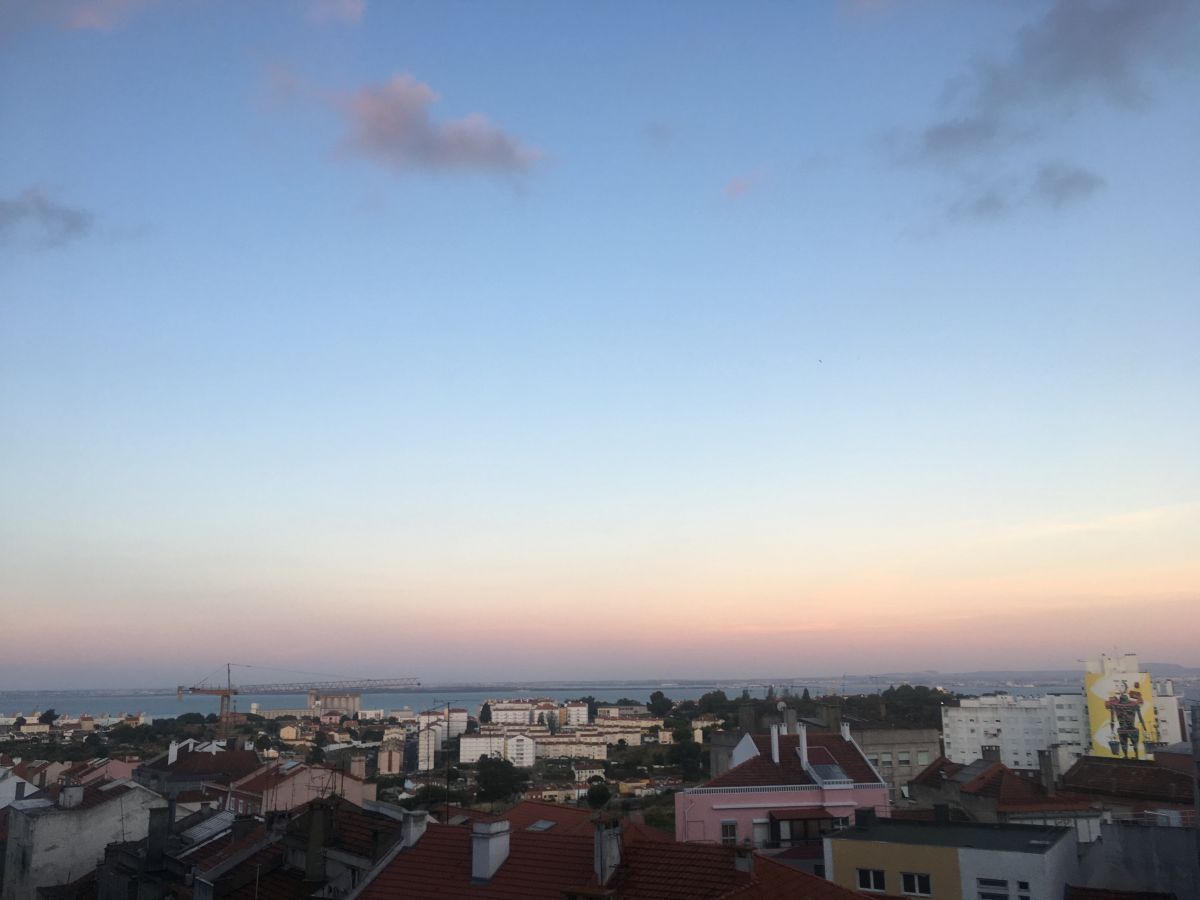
(714, 703)
(485, 714)
(660, 704)
(48, 717)
(19, 722)
(598, 796)
(806, 696)
(498, 779)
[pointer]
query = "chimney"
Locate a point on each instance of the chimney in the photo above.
(319, 831)
(489, 848)
(775, 744)
(606, 854)
(412, 826)
(802, 744)
(746, 718)
(789, 720)
(743, 860)
(1047, 764)
(20, 789)
(846, 731)
(156, 836)
(172, 753)
(242, 826)
(70, 796)
(358, 766)
(941, 813)
(990, 752)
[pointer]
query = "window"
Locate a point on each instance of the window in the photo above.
(762, 832)
(885, 759)
(903, 758)
(916, 883)
(729, 832)
(871, 880)
(922, 757)
(992, 889)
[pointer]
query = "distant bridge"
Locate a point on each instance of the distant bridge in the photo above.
(357, 686)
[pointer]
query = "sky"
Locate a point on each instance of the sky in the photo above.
(487, 341)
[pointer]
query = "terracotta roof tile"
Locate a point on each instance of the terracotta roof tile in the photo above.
(539, 865)
(1128, 779)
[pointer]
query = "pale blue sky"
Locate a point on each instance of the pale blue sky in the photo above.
(709, 320)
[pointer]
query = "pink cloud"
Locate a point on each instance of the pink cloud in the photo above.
(739, 186)
(101, 15)
(391, 124)
(346, 12)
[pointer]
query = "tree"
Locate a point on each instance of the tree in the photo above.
(660, 704)
(19, 722)
(48, 717)
(806, 696)
(713, 703)
(485, 714)
(320, 739)
(598, 796)
(541, 719)
(498, 779)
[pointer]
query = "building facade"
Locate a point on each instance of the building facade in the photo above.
(1019, 726)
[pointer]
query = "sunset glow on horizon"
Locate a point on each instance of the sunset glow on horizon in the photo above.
(349, 338)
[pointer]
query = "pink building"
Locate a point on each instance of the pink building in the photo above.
(783, 793)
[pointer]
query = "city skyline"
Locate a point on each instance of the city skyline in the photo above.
(596, 341)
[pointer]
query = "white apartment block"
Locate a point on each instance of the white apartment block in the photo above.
(1019, 726)
(1171, 717)
(518, 749)
(429, 741)
(574, 714)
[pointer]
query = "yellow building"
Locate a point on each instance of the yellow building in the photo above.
(944, 860)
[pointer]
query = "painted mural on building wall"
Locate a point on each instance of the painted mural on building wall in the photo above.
(1121, 711)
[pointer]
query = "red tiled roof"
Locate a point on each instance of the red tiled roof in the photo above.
(762, 771)
(224, 847)
(232, 764)
(540, 866)
(675, 871)
(566, 819)
(1128, 779)
(93, 792)
(937, 771)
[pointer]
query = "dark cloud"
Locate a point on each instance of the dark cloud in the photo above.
(391, 124)
(1079, 51)
(981, 206)
(1059, 184)
(34, 215)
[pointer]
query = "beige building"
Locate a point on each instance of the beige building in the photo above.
(899, 755)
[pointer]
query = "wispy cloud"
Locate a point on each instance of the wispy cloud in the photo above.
(34, 216)
(392, 124)
(1060, 184)
(659, 133)
(344, 12)
(1079, 51)
(1134, 520)
(1053, 185)
(101, 15)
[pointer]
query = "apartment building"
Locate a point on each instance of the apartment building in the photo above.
(1019, 726)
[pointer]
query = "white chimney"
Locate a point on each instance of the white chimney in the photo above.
(775, 744)
(606, 852)
(802, 744)
(172, 753)
(412, 826)
(70, 796)
(846, 731)
(489, 848)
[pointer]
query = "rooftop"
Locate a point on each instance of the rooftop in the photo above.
(823, 750)
(983, 836)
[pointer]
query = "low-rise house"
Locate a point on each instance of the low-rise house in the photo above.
(987, 791)
(287, 785)
(190, 765)
(60, 834)
(783, 793)
(944, 860)
(102, 767)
